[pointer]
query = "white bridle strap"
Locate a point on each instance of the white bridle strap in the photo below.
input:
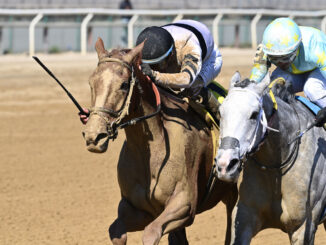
(261, 117)
(262, 114)
(265, 124)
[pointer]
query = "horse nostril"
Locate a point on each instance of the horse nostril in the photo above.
(101, 136)
(83, 133)
(232, 163)
(219, 169)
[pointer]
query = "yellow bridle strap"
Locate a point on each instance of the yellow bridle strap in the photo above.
(271, 94)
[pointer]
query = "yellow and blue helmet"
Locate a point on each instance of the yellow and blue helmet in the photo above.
(281, 37)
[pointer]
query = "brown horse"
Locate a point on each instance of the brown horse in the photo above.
(166, 160)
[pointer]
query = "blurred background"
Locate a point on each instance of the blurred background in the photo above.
(53, 26)
(52, 190)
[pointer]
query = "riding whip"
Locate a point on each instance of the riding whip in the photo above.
(63, 87)
(302, 133)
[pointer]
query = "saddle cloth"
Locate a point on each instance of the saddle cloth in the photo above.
(310, 105)
(218, 90)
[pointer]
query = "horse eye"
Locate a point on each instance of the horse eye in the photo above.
(124, 86)
(254, 115)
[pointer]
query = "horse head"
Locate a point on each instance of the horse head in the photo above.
(111, 86)
(242, 125)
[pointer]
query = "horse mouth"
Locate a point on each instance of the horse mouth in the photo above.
(98, 145)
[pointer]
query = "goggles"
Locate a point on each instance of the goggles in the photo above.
(289, 58)
(159, 59)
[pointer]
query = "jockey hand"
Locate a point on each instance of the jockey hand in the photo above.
(84, 117)
(261, 58)
(147, 70)
(320, 118)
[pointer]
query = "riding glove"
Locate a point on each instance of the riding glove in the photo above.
(147, 70)
(261, 65)
(320, 118)
(260, 57)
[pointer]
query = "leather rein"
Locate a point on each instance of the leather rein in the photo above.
(113, 126)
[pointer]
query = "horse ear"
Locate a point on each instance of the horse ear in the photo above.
(99, 47)
(264, 83)
(135, 52)
(235, 79)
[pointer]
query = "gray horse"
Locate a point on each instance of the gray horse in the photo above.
(282, 184)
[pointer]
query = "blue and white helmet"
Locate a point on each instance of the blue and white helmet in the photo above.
(281, 37)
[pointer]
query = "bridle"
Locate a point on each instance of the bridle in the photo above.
(261, 121)
(253, 148)
(113, 126)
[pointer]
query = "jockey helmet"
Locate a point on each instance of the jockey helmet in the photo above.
(158, 45)
(281, 37)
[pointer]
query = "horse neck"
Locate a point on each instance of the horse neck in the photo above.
(276, 149)
(143, 103)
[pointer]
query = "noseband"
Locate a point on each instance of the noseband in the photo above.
(113, 126)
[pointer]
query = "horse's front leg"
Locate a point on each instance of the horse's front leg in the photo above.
(304, 235)
(245, 224)
(129, 219)
(175, 215)
(230, 199)
(178, 237)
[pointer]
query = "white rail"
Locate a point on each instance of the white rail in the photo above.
(83, 32)
(131, 29)
(253, 27)
(217, 15)
(31, 36)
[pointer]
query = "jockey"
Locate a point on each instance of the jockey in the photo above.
(299, 54)
(182, 56)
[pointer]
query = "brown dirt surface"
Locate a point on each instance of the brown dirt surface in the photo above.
(52, 190)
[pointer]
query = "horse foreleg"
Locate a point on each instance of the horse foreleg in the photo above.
(245, 225)
(305, 234)
(175, 215)
(129, 219)
(178, 237)
(229, 200)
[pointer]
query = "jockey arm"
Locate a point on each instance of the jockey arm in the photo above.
(260, 67)
(190, 68)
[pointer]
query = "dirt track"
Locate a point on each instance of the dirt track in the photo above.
(52, 190)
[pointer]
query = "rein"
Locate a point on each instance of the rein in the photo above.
(261, 120)
(291, 158)
(112, 127)
(294, 153)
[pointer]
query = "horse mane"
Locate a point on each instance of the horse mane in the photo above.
(243, 84)
(284, 91)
